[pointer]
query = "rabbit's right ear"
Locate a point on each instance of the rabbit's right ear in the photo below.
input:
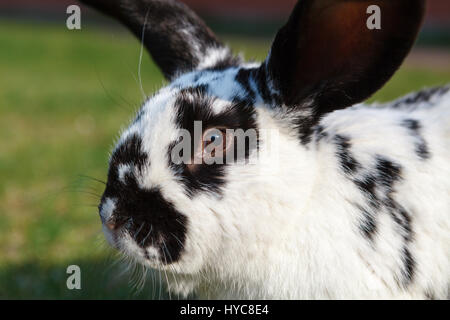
(331, 55)
(178, 40)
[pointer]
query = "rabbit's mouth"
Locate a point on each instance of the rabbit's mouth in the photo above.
(154, 235)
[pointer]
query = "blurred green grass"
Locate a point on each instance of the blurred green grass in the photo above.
(64, 95)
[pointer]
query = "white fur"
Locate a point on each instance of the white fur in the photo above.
(288, 228)
(359, 210)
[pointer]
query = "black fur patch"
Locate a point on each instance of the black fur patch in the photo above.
(421, 146)
(368, 224)
(423, 96)
(319, 132)
(144, 214)
(174, 51)
(379, 189)
(193, 105)
(388, 172)
(377, 185)
(368, 185)
(260, 77)
(226, 63)
(348, 163)
(243, 77)
(409, 265)
(306, 129)
(129, 152)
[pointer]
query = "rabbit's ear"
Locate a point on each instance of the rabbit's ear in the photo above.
(178, 40)
(333, 53)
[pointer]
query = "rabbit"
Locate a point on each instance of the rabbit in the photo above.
(356, 204)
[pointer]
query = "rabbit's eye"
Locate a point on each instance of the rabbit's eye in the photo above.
(214, 137)
(215, 143)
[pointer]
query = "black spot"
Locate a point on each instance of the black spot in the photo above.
(368, 224)
(348, 163)
(144, 214)
(305, 127)
(411, 124)
(378, 187)
(260, 77)
(403, 221)
(320, 133)
(193, 105)
(226, 63)
(388, 172)
(128, 153)
(243, 77)
(201, 89)
(422, 151)
(421, 146)
(150, 219)
(246, 101)
(368, 186)
(423, 96)
(409, 265)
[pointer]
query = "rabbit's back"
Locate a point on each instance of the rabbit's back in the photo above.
(392, 163)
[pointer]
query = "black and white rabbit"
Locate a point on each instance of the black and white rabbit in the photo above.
(355, 205)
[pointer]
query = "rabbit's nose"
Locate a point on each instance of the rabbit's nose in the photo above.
(106, 210)
(109, 219)
(113, 224)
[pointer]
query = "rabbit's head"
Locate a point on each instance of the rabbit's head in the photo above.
(194, 177)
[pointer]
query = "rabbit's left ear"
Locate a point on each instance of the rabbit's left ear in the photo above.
(333, 53)
(178, 40)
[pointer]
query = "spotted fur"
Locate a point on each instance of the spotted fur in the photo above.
(346, 200)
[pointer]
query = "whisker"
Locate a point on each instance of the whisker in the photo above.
(88, 193)
(109, 95)
(165, 272)
(91, 178)
(175, 279)
(148, 234)
(139, 230)
(178, 240)
(141, 54)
